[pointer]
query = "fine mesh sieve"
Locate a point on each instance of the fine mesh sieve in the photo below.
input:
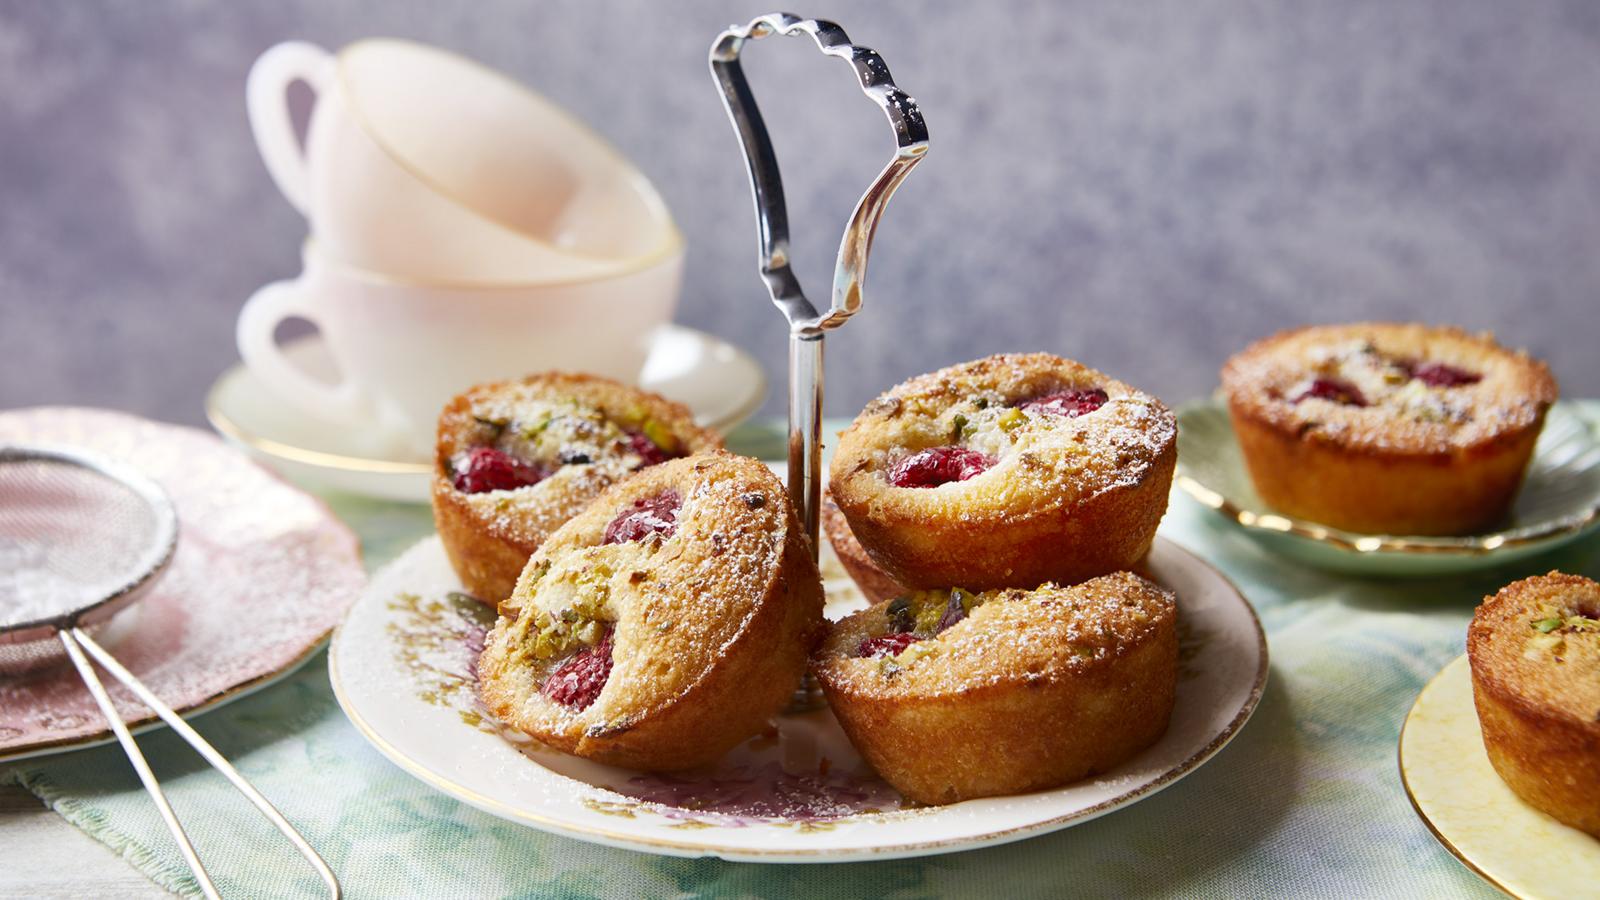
(78, 542)
(81, 538)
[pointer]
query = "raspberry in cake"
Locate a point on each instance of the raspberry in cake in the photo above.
(1387, 428)
(952, 694)
(516, 459)
(663, 624)
(1009, 471)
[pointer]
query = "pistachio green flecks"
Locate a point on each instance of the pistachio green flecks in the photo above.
(660, 435)
(958, 427)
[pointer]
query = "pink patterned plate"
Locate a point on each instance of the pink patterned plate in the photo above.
(262, 574)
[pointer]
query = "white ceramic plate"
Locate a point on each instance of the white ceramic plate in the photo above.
(400, 668)
(720, 383)
(1448, 776)
(1559, 503)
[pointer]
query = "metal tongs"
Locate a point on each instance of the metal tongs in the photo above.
(807, 327)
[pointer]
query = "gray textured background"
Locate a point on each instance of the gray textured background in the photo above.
(1141, 186)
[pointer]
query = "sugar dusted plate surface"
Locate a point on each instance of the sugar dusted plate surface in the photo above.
(250, 549)
(400, 666)
(1455, 790)
(1559, 502)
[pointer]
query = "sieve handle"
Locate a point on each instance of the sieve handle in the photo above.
(76, 643)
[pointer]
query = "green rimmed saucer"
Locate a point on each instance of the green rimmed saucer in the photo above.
(1559, 502)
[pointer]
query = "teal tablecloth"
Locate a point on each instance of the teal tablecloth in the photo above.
(1306, 801)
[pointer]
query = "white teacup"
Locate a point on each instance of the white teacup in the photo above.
(403, 349)
(422, 164)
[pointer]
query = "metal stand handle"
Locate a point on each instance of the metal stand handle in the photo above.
(76, 642)
(806, 326)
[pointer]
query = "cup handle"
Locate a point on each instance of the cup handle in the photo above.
(267, 102)
(339, 402)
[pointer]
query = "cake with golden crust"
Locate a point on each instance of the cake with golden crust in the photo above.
(663, 624)
(875, 583)
(1009, 471)
(516, 459)
(952, 695)
(1387, 428)
(1534, 649)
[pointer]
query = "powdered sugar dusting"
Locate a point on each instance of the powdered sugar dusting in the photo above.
(676, 601)
(1010, 636)
(983, 406)
(1402, 412)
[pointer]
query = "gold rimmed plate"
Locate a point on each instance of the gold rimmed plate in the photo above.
(1559, 502)
(721, 384)
(402, 668)
(1454, 788)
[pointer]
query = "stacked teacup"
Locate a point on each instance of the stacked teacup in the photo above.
(462, 229)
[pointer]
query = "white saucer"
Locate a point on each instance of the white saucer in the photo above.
(722, 384)
(401, 667)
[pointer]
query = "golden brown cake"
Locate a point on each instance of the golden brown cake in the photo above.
(952, 695)
(1009, 471)
(516, 459)
(1387, 428)
(1534, 648)
(663, 624)
(874, 582)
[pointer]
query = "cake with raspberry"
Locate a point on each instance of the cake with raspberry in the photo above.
(1387, 428)
(662, 625)
(952, 694)
(1009, 471)
(1534, 649)
(516, 459)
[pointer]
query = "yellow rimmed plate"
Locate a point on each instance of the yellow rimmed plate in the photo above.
(1455, 790)
(1559, 502)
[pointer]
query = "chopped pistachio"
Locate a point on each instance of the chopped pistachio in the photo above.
(540, 570)
(1545, 626)
(900, 615)
(917, 651)
(930, 606)
(1011, 419)
(660, 435)
(589, 632)
(532, 432)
